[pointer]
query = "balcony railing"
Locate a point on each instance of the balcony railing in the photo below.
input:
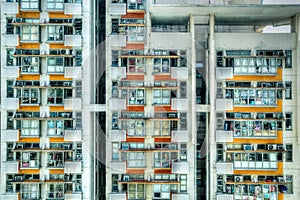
(75, 196)
(180, 196)
(10, 135)
(10, 40)
(179, 136)
(180, 167)
(10, 103)
(73, 104)
(117, 135)
(117, 196)
(72, 72)
(224, 168)
(224, 196)
(10, 167)
(73, 135)
(72, 9)
(118, 167)
(179, 104)
(10, 196)
(10, 8)
(117, 8)
(117, 72)
(179, 72)
(224, 136)
(224, 72)
(117, 104)
(118, 40)
(73, 167)
(73, 40)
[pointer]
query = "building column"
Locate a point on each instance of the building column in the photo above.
(212, 91)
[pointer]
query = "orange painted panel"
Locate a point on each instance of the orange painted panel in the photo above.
(28, 15)
(59, 78)
(135, 108)
(162, 109)
(29, 108)
(163, 77)
(136, 11)
(60, 139)
(277, 77)
(133, 15)
(134, 46)
(57, 109)
(162, 139)
(135, 139)
(29, 139)
(58, 46)
(59, 15)
(259, 109)
(280, 196)
(135, 171)
(135, 77)
(29, 77)
(162, 171)
(28, 46)
(29, 171)
(56, 171)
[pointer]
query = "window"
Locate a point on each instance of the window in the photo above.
(55, 65)
(57, 96)
(136, 5)
(135, 96)
(183, 90)
(288, 59)
(183, 59)
(9, 26)
(29, 160)
(288, 90)
(161, 96)
(30, 65)
(289, 153)
(161, 191)
(9, 57)
(134, 127)
(249, 97)
(30, 33)
(55, 191)
(115, 150)
(115, 121)
(29, 95)
(183, 152)
(29, 4)
(55, 33)
(161, 128)
(136, 159)
(78, 58)
(10, 153)
(183, 121)
(29, 127)
(9, 89)
(134, 65)
(55, 127)
(29, 191)
(135, 33)
(55, 4)
(288, 121)
(114, 182)
(136, 191)
(55, 159)
(161, 65)
(163, 159)
(183, 183)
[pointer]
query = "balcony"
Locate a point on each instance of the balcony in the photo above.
(74, 196)
(224, 72)
(224, 136)
(72, 9)
(117, 196)
(180, 168)
(10, 103)
(117, 72)
(73, 40)
(10, 167)
(73, 72)
(224, 196)
(10, 40)
(72, 104)
(117, 8)
(117, 135)
(118, 40)
(10, 135)
(118, 167)
(179, 72)
(11, 8)
(72, 135)
(10, 72)
(10, 196)
(117, 104)
(179, 104)
(179, 136)
(224, 168)
(224, 104)
(72, 167)
(180, 196)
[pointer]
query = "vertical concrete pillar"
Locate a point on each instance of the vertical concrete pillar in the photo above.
(212, 92)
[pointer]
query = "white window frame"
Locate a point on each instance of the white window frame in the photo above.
(30, 191)
(55, 65)
(55, 127)
(30, 128)
(30, 33)
(57, 95)
(29, 4)
(134, 127)
(55, 4)
(29, 65)
(55, 191)
(55, 159)
(29, 159)
(161, 191)
(136, 191)
(136, 160)
(28, 95)
(161, 65)
(161, 97)
(161, 128)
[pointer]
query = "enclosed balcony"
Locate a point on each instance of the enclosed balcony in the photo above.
(73, 40)
(179, 136)
(72, 8)
(224, 196)
(224, 104)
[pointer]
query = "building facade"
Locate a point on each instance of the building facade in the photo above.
(149, 100)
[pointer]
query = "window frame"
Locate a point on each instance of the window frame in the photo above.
(30, 33)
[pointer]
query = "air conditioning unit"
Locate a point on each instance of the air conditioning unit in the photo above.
(65, 51)
(272, 147)
(281, 179)
(247, 147)
(238, 178)
(280, 147)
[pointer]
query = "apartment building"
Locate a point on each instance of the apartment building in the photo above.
(200, 103)
(46, 117)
